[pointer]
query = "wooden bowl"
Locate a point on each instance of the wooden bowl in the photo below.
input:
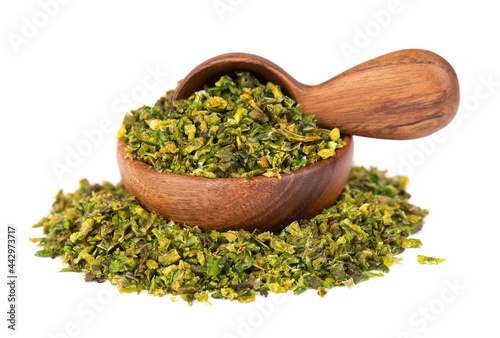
(221, 204)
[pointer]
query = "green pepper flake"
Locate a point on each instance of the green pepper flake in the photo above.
(102, 230)
(237, 128)
(429, 260)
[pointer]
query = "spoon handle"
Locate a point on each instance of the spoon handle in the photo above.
(401, 95)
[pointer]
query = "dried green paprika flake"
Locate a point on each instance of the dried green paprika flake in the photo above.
(429, 260)
(102, 231)
(237, 128)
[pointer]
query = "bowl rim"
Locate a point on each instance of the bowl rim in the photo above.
(339, 153)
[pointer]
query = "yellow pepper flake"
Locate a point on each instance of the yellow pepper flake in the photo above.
(275, 90)
(121, 132)
(326, 153)
(388, 260)
(246, 96)
(217, 102)
(334, 134)
(154, 124)
(360, 234)
(170, 148)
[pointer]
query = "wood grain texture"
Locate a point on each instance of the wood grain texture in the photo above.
(233, 203)
(406, 94)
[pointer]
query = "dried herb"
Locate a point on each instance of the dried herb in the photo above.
(238, 128)
(429, 260)
(102, 230)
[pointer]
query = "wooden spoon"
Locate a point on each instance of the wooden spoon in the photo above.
(402, 95)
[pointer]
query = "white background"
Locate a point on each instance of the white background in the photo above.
(72, 69)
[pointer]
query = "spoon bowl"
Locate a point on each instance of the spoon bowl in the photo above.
(222, 204)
